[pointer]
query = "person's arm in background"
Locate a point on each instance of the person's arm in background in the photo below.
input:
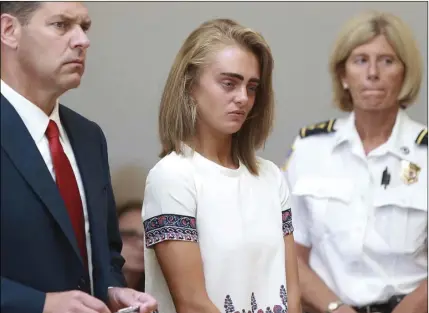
(315, 295)
(170, 193)
(416, 301)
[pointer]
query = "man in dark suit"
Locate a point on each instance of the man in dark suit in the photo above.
(60, 244)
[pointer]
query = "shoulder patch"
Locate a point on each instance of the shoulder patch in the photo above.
(422, 138)
(319, 128)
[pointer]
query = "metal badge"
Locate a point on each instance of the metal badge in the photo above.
(410, 172)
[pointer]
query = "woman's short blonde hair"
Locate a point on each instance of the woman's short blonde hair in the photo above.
(177, 113)
(360, 30)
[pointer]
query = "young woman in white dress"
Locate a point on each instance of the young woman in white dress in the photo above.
(218, 227)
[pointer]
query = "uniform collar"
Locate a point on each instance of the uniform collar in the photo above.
(397, 144)
(33, 117)
(346, 132)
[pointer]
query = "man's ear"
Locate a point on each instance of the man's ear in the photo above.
(10, 30)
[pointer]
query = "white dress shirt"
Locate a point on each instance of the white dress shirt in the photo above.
(37, 122)
(367, 241)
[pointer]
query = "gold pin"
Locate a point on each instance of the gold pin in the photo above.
(410, 172)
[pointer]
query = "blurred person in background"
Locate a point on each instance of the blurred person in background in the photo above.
(131, 230)
(359, 183)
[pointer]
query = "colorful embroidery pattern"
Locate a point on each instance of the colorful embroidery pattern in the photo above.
(229, 305)
(287, 222)
(170, 227)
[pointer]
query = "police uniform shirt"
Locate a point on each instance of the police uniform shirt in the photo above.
(368, 241)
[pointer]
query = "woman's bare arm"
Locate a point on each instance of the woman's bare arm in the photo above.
(181, 265)
(292, 277)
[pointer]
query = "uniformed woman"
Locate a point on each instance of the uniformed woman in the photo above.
(359, 183)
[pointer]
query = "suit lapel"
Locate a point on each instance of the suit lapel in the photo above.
(86, 150)
(22, 150)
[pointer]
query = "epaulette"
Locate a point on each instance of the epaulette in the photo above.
(319, 128)
(422, 138)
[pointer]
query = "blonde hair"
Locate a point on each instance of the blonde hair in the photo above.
(177, 113)
(360, 30)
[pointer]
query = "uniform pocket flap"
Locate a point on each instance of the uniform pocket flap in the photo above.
(324, 187)
(408, 197)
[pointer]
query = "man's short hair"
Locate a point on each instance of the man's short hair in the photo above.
(22, 10)
(132, 205)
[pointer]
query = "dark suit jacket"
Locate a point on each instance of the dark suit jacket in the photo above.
(39, 252)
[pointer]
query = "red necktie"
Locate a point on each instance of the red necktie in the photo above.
(67, 185)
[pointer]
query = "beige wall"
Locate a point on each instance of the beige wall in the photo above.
(133, 45)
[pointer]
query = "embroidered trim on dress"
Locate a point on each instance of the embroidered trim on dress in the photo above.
(287, 222)
(229, 306)
(170, 227)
